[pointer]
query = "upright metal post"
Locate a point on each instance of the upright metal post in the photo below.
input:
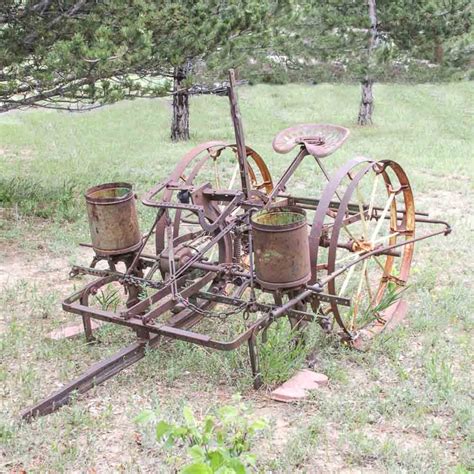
(239, 134)
(254, 362)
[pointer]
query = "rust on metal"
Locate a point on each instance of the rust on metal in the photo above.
(113, 218)
(277, 232)
(225, 247)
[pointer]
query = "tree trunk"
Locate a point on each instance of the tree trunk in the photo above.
(180, 121)
(438, 52)
(367, 100)
(366, 103)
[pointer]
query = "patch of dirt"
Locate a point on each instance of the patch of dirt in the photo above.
(442, 204)
(41, 268)
(278, 414)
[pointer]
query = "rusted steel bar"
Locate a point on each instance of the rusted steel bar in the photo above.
(105, 369)
(185, 293)
(317, 288)
(335, 204)
(95, 375)
(445, 231)
(220, 268)
(254, 362)
(239, 135)
(167, 330)
(144, 304)
(159, 215)
(209, 267)
(79, 270)
(287, 174)
(268, 307)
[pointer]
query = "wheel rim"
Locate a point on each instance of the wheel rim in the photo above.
(379, 200)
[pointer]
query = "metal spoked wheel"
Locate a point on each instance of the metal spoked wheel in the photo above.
(372, 211)
(216, 164)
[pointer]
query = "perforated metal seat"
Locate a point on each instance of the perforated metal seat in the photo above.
(319, 139)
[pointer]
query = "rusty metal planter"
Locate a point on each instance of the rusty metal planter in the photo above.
(113, 219)
(220, 252)
(281, 247)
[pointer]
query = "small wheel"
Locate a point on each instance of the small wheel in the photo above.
(374, 212)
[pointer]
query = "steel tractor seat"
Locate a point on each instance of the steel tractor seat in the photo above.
(320, 140)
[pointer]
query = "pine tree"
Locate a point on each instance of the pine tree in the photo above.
(364, 35)
(74, 54)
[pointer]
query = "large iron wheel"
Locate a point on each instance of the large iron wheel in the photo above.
(366, 208)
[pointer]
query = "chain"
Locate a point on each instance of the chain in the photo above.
(129, 279)
(137, 281)
(172, 281)
(211, 314)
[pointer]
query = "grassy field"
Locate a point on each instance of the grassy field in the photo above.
(405, 406)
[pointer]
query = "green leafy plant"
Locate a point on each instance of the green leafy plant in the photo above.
(220, 443)
(108, 299)
(33, 198)
(283, 353)
(391, 296)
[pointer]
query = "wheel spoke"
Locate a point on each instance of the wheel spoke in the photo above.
(351, 256)
(369, 289)
(234, 176)
(379, 263)
(385, 237)
(362, 214)
(372, 195)
(348, 232)
(346, 280)
(216, 174)
(382, 216)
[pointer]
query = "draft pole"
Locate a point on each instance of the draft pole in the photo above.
(239, 134)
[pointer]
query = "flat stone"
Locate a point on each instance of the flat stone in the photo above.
(68, 332)
(298, 386)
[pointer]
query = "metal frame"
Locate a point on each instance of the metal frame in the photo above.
(224, 216)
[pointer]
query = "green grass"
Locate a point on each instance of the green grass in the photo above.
(404, 406)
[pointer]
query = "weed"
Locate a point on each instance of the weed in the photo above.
(220, 443)
(439, 374)
(282, 353)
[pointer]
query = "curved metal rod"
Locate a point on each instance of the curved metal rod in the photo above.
(318, 287)
(379, 251)
(323, 206)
